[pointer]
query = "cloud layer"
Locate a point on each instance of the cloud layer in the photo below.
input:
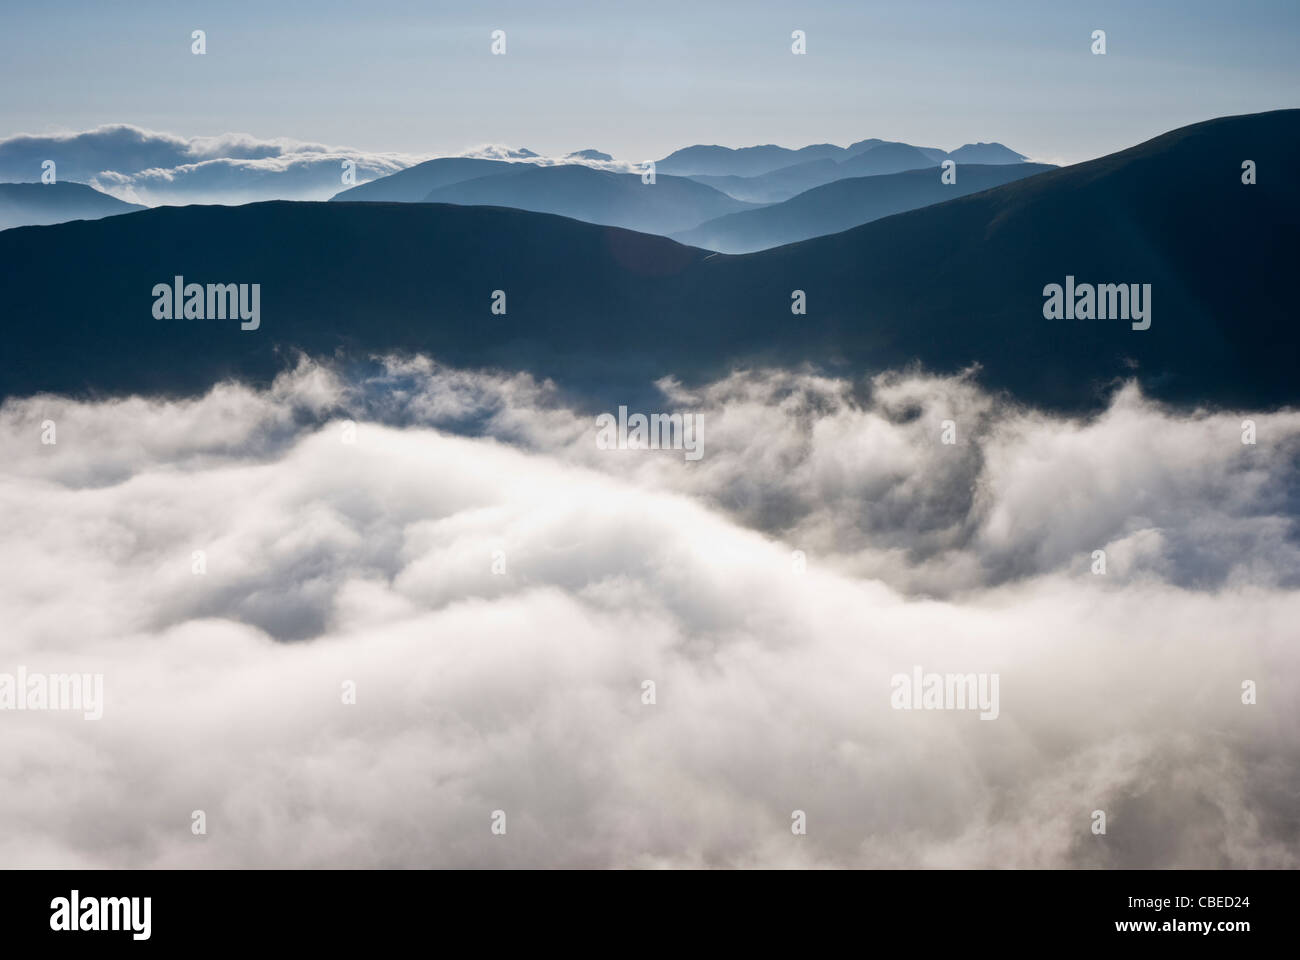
(521, 689)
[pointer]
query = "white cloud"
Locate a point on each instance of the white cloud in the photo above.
(496, 151)
(306, 176)
(152, 167)
(372, 562)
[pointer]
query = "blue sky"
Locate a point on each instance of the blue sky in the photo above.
(639, 80)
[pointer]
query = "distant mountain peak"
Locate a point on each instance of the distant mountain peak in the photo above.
(25, 204)
(861, 145)
(589, 155)
(986, 153)
(495, 151)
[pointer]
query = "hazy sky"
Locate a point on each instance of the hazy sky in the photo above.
(639, 80)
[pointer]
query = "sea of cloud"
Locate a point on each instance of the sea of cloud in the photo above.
(499, 589)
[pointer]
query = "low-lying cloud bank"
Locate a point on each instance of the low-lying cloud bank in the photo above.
(151, 167)
(499, 589)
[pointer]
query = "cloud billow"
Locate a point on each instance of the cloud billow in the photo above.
(329, 561)
(152, 167)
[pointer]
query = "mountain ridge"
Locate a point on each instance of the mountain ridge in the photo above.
(715, 160)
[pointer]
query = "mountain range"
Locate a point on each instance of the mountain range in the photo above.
(604, 311)
(570, 190)
(578, 189)
(842, 204)
(138, 165)
(678, 204)
(713, 160)
(870, 158)
(596, 196)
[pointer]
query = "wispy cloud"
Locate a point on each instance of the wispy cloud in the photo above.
(152, 167)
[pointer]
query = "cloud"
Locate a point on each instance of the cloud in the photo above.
(856, 473)
(152, 168)
(372, 562)
(307, 176)
(496, 151)
(592, 158)
(147, 166)
(126, 149)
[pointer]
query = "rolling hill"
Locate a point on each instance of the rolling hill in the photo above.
(414, 183)
(597, 196)
(777, 185)
(842, 204)
(867, 158)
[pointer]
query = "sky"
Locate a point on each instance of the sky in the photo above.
(638, 81)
